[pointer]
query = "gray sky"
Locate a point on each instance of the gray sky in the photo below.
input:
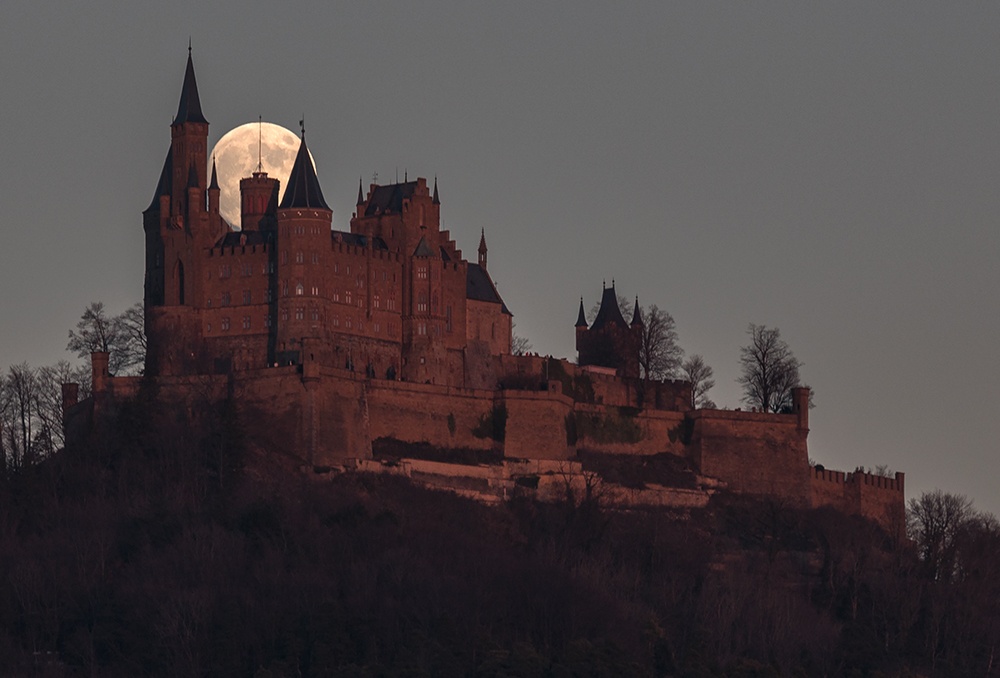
(826, 168)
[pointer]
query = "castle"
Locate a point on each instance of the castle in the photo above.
(343, 345)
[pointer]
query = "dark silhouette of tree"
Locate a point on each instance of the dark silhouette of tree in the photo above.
(122, 337)
(700, 375)
(659, 355)
(518, 345)
(770, 371)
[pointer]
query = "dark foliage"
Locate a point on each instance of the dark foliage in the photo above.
(167, 546)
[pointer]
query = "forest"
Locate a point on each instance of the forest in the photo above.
(168, 544)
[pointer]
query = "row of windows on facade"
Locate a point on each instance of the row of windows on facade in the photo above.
(246, 270)
(314, 315)
(390, 302)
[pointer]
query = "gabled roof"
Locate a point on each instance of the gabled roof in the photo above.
(389, 198)
(423, 249)
(303, 187)
(189, 109)
(165, 185)
(358, 240)
(479, 287)
(581, 318)
(609, 313)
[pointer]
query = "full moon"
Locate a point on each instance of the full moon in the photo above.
(236, 158)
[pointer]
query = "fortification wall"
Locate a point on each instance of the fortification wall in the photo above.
(658, 431)
(877, 497)
(754, 453)
(419, 413)
(536, 423)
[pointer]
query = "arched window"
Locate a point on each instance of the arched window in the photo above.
(260, 204)
(298, 290)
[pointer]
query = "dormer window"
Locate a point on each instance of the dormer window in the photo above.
(299, 290)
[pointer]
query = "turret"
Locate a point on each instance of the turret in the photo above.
(482, 245)
(213, 191)
(189, 135)
(636, 315)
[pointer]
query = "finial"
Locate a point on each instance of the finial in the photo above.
(260, 137)
(189, 45)
(612, 283)
(302, 126)
(604, 284)
(406, 175)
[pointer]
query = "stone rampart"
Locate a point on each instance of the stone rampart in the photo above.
(874, 496)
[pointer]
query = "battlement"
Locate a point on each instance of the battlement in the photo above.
(894, 484)
(868, 494)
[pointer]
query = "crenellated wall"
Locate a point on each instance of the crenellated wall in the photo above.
(873, 496)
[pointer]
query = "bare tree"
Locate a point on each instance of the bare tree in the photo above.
(770, 371)
(122, 336)
(659, 355)
(936, 521)
(20, 393)
(700, 376)
(518, 345)
(49, 399)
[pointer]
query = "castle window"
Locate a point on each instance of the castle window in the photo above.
(361, 325)
(336, 321)
(284, 288)
(447, 315)
(314, 313)
(360, 282)
(422, 303)
(284, 257)
(391, 302)
(361, 301)
(375, 301)
(284, 314)
(336, 268)
(315, 291)
(225, 324)
(376, 327)
(347, 322)
(392, 329)
(267, 320)
(298, 290)
(298, 257)
(210, 302)
(315, 258)
(157, 260)
(260, 204)
(267, 296)
(246, 322)
(209, 327)
(246, 270)
(422, 328)
(336, 295)
(347, 296)
(348, 270)
(421, 273)
(246, 296)
(374, 275)
(225, 271)
(434, 305)
(225, 298)
(300, 313)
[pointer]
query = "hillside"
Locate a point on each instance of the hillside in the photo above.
(170, 545)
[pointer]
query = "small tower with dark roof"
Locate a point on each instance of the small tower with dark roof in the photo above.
(189, 137)
(213, 191)
(636, 314)
(482, 248)
(609, 341)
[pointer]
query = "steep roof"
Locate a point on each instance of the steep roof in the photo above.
(389, 198)
(436, 200)
(423, 249)
(636, 316)
(361, 193)
(189, 109)
(609, 313)
(479, 287)
(215, 178)
(303, 187)
(581, 318)
(165, 185)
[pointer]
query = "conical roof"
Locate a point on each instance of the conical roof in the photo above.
(361, 193)
(215, 178)
(165, 185)
(609, 313)
(581, 318)
(436, 200)
(189, 109)
(636, 315)
(303, 187)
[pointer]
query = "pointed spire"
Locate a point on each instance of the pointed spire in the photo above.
(436, 200)
(610, 312)
(482, 248)
(303, 187)
(581, 318)
(189, 109)
(636, 316)
(361, 192)
(165, 185)
(215, 178)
